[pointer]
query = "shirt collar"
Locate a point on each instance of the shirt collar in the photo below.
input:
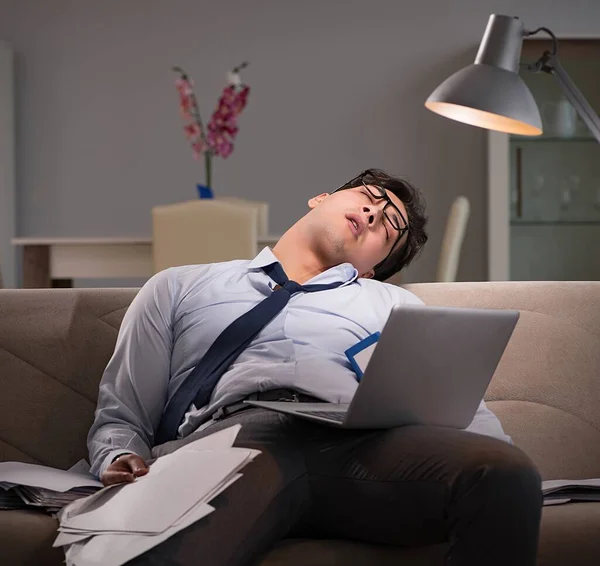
(345, 272)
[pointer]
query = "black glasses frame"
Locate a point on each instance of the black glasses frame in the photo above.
(383, 195)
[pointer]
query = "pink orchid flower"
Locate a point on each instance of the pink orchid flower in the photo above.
(223, 128)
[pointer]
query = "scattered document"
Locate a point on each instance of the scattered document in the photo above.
(120, 522)
(562, 491)
(27, 486)
(35, 475)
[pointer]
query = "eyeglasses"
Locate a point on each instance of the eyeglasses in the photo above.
(391, 212)
(394, 217)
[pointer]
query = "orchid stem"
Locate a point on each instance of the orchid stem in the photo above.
(207, 167)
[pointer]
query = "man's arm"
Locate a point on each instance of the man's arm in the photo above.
(133, 389)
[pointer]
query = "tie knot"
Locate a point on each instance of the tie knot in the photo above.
(291, 287)
(275, 272)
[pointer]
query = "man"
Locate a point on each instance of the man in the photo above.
(410, 486)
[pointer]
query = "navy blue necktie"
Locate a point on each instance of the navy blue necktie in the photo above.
(200, 383)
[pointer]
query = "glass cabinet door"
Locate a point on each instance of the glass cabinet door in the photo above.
(555, 178)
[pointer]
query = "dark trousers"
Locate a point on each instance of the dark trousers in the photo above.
(410, 486)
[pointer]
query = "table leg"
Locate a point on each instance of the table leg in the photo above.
(36, 267)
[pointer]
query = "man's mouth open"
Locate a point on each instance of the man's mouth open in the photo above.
(355, 226)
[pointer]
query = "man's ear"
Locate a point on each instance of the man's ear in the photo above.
(368, 275)
(315, 201)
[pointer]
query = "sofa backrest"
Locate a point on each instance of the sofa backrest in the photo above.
(546, 389)
(55, 344)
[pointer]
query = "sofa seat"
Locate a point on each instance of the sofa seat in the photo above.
(570, 534)
(564, 529)
(326, 552)
(27, 536)
(26, 539)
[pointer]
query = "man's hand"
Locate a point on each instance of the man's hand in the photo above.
(124, 470)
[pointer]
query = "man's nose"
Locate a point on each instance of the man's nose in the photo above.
(372, 213)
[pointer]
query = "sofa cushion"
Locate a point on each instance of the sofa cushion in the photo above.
(54, 346)
(300, 552)
(570, 535)
(26, 539)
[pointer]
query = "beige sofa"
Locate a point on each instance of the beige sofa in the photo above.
(54, 345)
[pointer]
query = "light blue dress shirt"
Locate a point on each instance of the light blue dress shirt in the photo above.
(179, 313)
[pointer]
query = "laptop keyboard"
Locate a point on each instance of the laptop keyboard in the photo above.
(331, 415)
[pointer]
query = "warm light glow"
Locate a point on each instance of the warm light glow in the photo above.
(483, 119)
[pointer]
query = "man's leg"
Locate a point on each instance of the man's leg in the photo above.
(417, 485)
(252, 514)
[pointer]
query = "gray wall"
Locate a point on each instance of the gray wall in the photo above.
(8, 254)
(336, 87)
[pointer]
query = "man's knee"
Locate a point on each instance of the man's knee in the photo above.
(464, 461)
(501, 474)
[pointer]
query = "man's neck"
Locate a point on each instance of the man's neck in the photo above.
(299, 262)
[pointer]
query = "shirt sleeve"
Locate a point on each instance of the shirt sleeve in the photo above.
(133, 389)
(488, 424)
(401, 296)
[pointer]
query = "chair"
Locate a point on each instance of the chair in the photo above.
(263, 212)
(454, 235)
(206, 231)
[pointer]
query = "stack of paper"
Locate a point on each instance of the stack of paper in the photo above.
(563, 491)
(26, 486)
(120, 522)
(9, 499)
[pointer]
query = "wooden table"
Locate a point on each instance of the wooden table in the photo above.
(55, 262)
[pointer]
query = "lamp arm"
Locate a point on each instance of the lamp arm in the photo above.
(575, 97)
(549, 63)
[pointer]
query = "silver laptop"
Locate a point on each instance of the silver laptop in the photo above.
(431, 365)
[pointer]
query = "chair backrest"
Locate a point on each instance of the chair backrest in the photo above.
(263, 212)
(453, 240)
(203, 231)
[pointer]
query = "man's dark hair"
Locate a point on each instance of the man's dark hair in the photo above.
(414, 203)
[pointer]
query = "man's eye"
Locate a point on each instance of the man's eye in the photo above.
(368, 194)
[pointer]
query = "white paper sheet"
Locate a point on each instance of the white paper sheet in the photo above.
(35, 475)
(81, 467)
(69, 536)
(219, 440)
(117, 549)
(548, 502)
(114, 525)
(550, 486)
(155, 501)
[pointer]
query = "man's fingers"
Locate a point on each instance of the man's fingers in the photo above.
(125, 470)
(110, 478)
(137, 466)
(137, 472)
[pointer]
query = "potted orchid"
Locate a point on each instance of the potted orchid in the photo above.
(216, 140)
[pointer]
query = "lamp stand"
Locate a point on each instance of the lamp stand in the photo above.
(549, 63)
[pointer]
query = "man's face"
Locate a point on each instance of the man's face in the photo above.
(349, 226)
